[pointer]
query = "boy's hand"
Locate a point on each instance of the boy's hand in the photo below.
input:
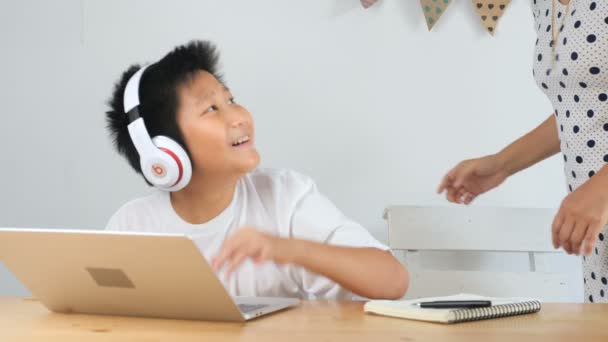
(581, 216)
(250, 243)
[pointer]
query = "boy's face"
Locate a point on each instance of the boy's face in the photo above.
(218, 133)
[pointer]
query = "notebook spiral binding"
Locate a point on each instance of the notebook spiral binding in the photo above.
(502, 310)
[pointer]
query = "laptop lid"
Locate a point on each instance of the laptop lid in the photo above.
(117, 273)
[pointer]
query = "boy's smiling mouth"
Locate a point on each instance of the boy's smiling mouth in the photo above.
(243, 140)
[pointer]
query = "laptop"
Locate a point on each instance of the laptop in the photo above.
(125, 274)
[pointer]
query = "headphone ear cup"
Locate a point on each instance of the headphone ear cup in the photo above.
(179, 155)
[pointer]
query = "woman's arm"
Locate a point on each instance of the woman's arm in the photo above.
(473, 177)
(537, 145)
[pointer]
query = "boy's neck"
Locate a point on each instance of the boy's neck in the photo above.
(204, 198)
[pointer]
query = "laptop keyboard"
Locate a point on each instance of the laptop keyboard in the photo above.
(246, 308)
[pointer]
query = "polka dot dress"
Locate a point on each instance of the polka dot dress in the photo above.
(576, 83)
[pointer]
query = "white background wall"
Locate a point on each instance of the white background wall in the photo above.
(367, 102)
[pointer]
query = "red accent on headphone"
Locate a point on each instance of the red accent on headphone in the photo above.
(179, 163)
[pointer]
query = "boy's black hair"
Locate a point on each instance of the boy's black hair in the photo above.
(158, 95)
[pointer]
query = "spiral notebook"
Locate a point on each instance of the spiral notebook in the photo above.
(501, 307)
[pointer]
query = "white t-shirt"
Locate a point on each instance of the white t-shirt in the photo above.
(279, 202)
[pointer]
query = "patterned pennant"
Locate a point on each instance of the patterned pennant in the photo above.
(368, 3)
(490, 11)
(433, 9)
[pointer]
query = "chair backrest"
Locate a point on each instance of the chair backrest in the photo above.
(413, 230)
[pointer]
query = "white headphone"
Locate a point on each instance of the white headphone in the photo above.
(163, 161)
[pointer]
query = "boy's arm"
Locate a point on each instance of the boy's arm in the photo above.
(367, 272)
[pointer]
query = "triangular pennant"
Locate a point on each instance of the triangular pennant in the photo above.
(368, 3)
(490, 11)
(433, 9)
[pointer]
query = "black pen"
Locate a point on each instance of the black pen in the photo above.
(455, 304)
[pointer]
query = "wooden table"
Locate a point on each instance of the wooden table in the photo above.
(28, 320)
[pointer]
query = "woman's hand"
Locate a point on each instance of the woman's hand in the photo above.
(582, 215)
(471, 178)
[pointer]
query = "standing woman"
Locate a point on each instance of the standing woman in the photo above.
(571, 68)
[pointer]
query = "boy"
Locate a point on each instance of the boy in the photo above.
(267, 232)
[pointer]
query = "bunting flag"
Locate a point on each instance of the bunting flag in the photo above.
(368, 3)
(433, 9)
(490, 12)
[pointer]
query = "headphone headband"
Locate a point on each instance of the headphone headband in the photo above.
(131, 96)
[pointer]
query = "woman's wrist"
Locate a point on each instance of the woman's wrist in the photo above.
(601, 177)
(505, 162)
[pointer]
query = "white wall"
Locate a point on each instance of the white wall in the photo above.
(369, 103)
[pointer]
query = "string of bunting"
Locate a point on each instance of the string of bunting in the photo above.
(489, 11)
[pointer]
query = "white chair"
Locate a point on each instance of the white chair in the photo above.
(416, 229)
